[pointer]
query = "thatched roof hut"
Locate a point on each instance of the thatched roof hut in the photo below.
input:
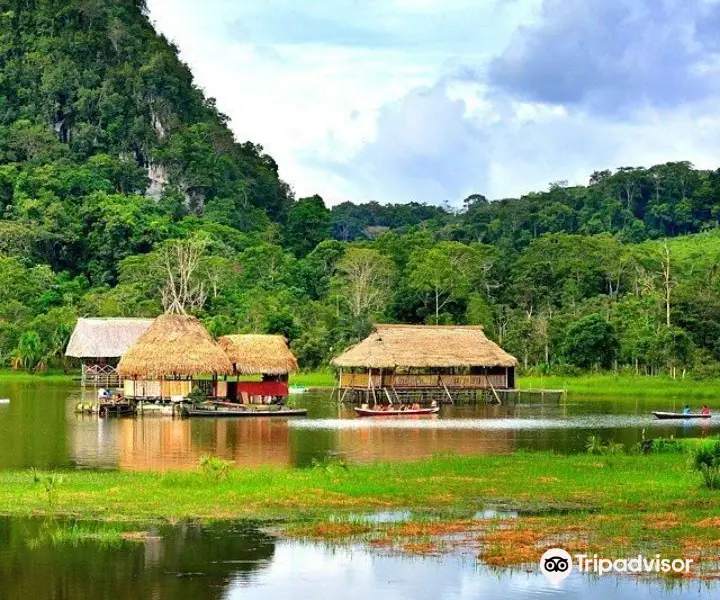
(266, 354)
(175, 346)
(105, 338)
(425, 346)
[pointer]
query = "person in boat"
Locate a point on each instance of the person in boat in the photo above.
(686, 410)
(416, 406)
(705, 410)
(433, 404)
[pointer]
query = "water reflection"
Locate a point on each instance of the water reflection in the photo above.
(187, 561)
(40, 428)
(237, 560)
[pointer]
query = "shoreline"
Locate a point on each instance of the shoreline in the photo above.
(618, 387)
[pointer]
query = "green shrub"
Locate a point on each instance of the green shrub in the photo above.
(706, 461)
(197, 396)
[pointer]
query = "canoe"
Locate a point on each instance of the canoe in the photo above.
(234, 412)
(670, 415)
(368, 412)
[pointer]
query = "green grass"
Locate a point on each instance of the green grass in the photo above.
(530, 481)
(313, 379)
(74, 534)
(630, 386)
(52, 376)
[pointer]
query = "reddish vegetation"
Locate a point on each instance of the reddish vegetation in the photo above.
(521, 542)
(422, 548)
(431, 528)
(662, 521)
(713, 522)
(333, 530)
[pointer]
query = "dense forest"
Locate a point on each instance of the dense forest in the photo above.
(124, 193)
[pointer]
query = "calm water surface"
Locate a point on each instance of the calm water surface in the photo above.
(40, 428)
(239, 561)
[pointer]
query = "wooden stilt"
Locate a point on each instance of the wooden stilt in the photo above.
(388, 396)
(447, 391)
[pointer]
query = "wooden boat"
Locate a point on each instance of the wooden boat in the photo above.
(150, 408)
(369, 412)
(116, 409)
(224, 411)
(670, 415)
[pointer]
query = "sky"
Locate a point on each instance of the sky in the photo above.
(434, 100)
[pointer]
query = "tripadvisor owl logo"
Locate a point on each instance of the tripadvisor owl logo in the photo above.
(556, 564)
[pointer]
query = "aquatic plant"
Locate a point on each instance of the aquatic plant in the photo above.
(51, 482)
(35, 474)
(61, 533)
(613, 447)
(330, 464)
(217, 468)
(595, 445)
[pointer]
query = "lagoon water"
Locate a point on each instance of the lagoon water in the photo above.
(39, 428)
(239, 561)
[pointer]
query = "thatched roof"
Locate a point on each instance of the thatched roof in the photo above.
(105, 338)
(175, 346)
(391, 346)
(267, 354)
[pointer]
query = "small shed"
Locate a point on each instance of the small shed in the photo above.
(443, 359)
(255, 354)
(169, 357)
(100, 343)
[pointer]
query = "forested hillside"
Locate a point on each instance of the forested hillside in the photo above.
(118, 179)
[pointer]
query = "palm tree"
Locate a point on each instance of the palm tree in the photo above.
(29, 353)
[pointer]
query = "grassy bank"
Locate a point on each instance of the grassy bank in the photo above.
(616, 504)
(316, 379)
(627, 385)
(527, 481)
(10, 376)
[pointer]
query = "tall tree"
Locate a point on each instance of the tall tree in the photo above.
(442, 272)
(307, 224)
(364, 280)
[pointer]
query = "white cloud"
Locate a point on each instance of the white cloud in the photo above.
(314, 100)
(389, 101)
